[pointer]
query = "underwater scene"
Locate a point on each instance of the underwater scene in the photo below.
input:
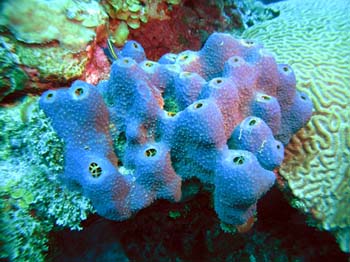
(174, 130)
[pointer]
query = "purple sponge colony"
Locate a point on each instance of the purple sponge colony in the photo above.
(221, 114)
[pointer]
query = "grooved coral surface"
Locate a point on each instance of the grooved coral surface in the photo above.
(314, 38)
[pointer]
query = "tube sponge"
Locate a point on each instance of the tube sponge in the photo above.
(239, 182)
(254, 135)
(91, 113)
(213, 114)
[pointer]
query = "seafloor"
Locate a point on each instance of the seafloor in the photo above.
(152, 235)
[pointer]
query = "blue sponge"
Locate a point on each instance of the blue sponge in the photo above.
(254, 135)
(239, 182)
(220, 114)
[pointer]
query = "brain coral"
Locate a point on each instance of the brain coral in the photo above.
(313, 37)
(216, 114)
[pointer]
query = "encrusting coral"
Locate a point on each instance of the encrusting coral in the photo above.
(51, 40)
(221, 114)
(71, 23)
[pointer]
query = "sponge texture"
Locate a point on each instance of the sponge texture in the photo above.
(215, 114)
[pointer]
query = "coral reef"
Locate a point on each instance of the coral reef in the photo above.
(32, 199)
(12, 77)
(190, 23)
(187, 27)
(134, 138)
(130, 14)
(72, 23)
(51, 52)
(312, 36)
(55, 52)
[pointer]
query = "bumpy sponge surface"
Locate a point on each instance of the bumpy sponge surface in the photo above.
(216, 114)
